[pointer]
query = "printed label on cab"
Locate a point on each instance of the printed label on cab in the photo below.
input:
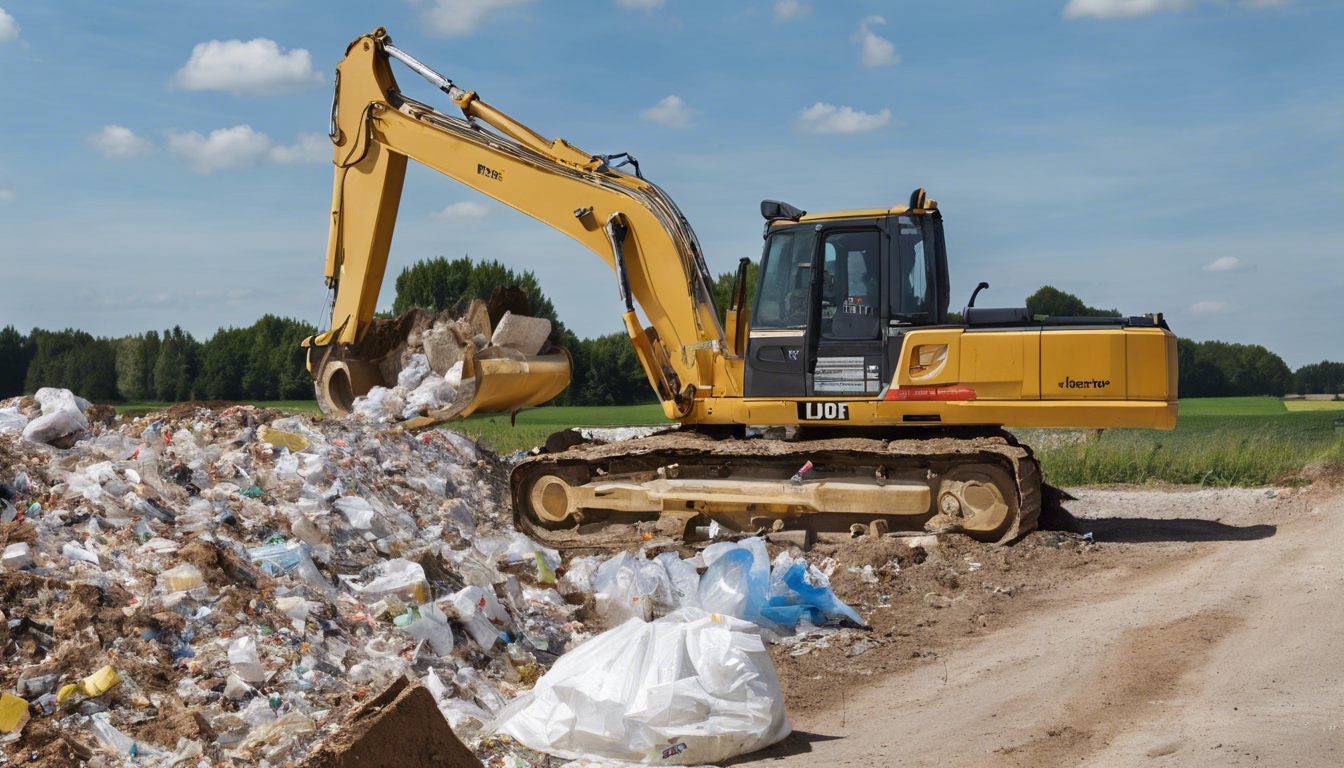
(823, 411)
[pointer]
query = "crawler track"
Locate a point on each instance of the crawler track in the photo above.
(688, 456)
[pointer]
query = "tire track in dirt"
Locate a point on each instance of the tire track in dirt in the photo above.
(1145, 668)
(1213, 651)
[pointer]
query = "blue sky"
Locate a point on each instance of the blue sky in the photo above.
(1181, 156)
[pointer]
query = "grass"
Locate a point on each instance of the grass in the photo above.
(1217, 441)
(1314, 405)
(535, 425)
(1232, 406)
(141, 408)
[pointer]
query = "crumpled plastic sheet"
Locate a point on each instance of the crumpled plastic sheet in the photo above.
(688, 689)
(739, 580)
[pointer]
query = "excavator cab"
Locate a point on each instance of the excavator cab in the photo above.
(836, 329)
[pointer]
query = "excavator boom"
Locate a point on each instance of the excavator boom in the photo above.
(629, 222)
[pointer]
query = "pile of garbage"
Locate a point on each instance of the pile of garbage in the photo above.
(230, 585)
(224, 585)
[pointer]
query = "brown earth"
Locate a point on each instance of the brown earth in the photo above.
(1198, 628)
(400, 728)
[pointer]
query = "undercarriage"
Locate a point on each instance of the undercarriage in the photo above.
(688, 486)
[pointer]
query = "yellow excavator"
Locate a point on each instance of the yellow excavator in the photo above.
(894, 415)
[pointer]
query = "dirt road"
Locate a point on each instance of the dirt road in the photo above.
(1209, 631)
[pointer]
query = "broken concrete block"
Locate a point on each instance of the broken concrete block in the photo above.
(524, 334)
(443, 348)
(398, 728)
(18, 555)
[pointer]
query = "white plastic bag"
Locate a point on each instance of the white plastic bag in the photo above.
(432, 394)
(628, 586)
(399, 577)
(737, 580)
(415, 372)
(688, 689)
(11, 421)
(53, 399)
(57, 424)
(244, 660)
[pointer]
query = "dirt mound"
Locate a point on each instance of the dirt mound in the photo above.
(400, 728)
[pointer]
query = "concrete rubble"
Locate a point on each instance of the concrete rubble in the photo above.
(229, 586)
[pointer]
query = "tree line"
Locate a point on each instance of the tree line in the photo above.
(265, 362)
(1211, 368)
(260, 362)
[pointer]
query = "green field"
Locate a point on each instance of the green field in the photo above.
(535, 425)
(1246, 441)
(1232, 406)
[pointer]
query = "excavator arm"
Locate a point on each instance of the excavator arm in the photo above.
(626, 220)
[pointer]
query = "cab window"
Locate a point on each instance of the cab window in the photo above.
(850, 285)
(910, 294)
(781, 298)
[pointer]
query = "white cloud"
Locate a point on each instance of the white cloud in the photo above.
(257, 66)
(7, 195)
(311, 148)
(671, 112)
(1224, 264)
(119, 143)
(1129, 9)
(875, 51)
(1208, 307)
(224, 149)
(790, 10)
(9, 27)
(455, 18)
(464, 211)
(822, 118)
(640, 5)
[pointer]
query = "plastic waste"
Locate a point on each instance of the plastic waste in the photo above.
(356, 511)
(629, 586)
(13, 713)
(53, 399)
(119, 743)
(807, 591)
(73, 551)
(281, 439)
(737, 580)
(235, 688)
(432, 627)
(688, 689)
(55, 425)
(244, 660)
(97, 684)
(432, 394)
(181, 578)
(399, 577)
(11, 421)
(291, 557)
(478, 609)
(417, 368)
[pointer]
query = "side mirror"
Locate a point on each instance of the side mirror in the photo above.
(774, 209)
(975, 293)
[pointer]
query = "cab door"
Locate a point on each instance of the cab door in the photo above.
(776, 364)
(846, 359)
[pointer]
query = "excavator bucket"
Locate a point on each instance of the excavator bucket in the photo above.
(503, 385)
(489, 358)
